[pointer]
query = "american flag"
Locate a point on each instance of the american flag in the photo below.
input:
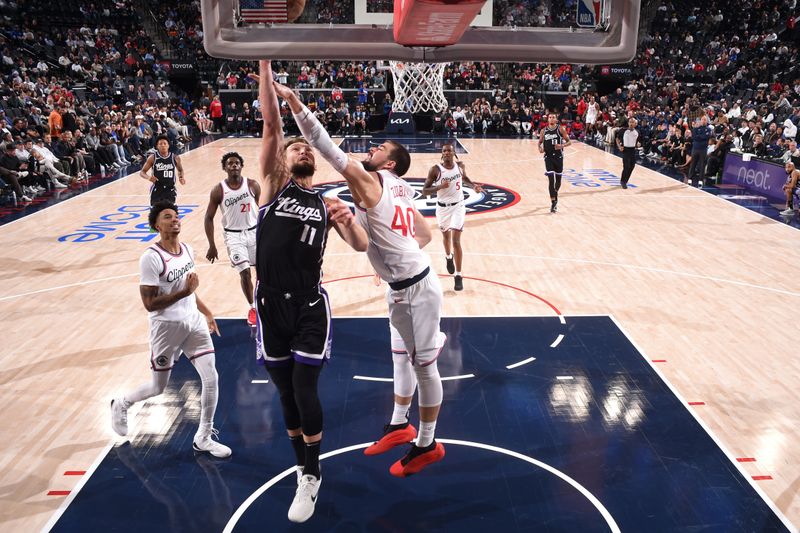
(261, 11)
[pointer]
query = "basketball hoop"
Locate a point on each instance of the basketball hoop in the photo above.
(418, 87)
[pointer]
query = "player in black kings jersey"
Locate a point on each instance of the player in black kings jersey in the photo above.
(166, 167)
(552, 141)
(293, 308)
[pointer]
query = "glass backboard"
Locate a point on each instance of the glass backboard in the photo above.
(564, 31)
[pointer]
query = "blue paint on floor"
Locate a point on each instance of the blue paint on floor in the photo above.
(593, 408)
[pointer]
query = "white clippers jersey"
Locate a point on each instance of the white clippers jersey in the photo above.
(591, 112)
(239, 207)
(454, 193)
(159, 268)
(393, 252)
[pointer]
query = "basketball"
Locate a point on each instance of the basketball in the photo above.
(294, 8)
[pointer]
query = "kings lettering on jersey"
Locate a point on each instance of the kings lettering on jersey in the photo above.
(162, 166)
(290, 207)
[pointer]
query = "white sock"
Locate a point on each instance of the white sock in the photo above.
(400, 414)
(208, 392)
(147, 390)
(449, 256)
(457, 273)
(426, 432)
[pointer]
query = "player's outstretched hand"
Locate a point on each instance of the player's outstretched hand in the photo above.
(212, 254)
(283, 91)
(192, 282)
(478, 187)
(212, 325)
(182, 180)
(263, 65)
(339, 212)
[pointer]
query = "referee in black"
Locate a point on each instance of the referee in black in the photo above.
(628, 147)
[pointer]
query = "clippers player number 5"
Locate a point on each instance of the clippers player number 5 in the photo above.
(237, 197)
(447, 180)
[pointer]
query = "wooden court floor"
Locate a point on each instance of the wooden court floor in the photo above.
(707, 287)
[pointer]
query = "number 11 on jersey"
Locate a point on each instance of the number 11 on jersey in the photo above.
(308, 235)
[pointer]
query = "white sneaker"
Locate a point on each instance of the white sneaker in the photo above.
(205, 443)
(58, 185)
(299, 472)
(119, 416)
(304, 499)
(787, 211)
(25, 198)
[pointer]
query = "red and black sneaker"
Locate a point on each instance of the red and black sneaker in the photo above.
(418, 458)
(393, 435)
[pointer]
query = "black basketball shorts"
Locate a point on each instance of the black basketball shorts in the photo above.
(294, 326)
(554, 163)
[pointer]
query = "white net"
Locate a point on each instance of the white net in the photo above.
(418, 87)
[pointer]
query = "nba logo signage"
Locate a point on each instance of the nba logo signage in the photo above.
(588, 13)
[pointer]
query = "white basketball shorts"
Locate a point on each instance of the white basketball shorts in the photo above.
(414, 320)
(451, 217)
(169, 339)
(241, 248)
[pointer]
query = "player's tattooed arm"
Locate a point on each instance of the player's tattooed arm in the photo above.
(433, 175)
(564, 136)
(155, 302)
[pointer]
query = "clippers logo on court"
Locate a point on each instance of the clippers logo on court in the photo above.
(492, 198)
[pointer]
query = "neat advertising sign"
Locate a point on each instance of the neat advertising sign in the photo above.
(755, 175)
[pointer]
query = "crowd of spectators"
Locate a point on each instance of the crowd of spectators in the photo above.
(84, 91)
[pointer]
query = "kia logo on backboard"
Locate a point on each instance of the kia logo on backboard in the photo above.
(492, 198)
(400, 121)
